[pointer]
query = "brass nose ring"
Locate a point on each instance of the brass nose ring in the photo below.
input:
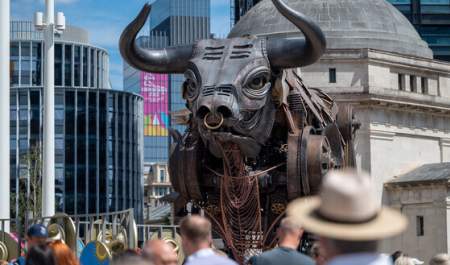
(211, 127)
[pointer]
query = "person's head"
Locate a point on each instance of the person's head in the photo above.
(289, 233)
(397, 254)
(440, 259)
(160, 253)
(404, 260)
(36, 235)
(317, 254)
(195, 233)
(335, 247)
(63, 254)
(129, 258)
(346, 215)
(40, 255)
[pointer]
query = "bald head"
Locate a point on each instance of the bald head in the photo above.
(440, 259)
(289, 233)
(288, 225)
(160, 253)
(195, 233)
(196, 229)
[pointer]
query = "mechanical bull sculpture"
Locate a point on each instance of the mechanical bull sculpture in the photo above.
(257, 136)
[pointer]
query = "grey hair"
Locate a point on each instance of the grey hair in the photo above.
(440, 259)
(289, 225)
(404, 261)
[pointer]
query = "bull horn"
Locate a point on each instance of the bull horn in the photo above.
(168, 60)
(296, 52)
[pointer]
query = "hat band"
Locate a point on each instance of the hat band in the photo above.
(319, 215)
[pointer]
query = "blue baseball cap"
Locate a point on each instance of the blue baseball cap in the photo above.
(37, 230)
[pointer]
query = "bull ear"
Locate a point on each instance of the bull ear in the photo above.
(168, 60)
(296, 52)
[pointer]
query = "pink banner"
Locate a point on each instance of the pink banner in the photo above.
(155, 91)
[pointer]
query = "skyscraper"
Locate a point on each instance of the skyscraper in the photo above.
(431, 18)
(240, 7)
(171, 23)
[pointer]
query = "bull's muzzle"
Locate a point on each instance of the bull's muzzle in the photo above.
(213, 121)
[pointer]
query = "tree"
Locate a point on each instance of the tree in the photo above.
(30, 187)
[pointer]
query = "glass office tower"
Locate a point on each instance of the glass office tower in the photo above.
(240, 7)
(431, 18)
(171, 23)
(98, 131)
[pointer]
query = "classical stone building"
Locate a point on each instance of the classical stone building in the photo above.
(376, 61)
(156, 186)
(422, 195)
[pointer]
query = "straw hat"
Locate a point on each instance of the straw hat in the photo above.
(347, 209)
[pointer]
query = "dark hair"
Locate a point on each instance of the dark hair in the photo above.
(397, 254)
(40, 255)
(350, 247)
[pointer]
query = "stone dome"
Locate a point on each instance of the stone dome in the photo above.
(347, 24)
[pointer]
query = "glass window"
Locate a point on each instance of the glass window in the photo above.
(81, 116)
(99, 75)
(162, 175)
(413, 83)
(23, 99)
(77, 65)
(92, 68)
(85, 66)
(25, 64)
(70, 113)
(58, 64)
(59, 99)
(401, 82)
(14, 63)
(36, 64)
(34, 99)
(424, 85)
(420, 226)
(59, 143)
(35, 122)
(68, 65)
(332, 75)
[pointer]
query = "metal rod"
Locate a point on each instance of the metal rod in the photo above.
(4, 110)
(48, 178)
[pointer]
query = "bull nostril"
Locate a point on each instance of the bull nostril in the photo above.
(202, 112)
(225, 111)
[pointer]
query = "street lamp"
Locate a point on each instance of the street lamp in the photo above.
(4, 111)
(50, 29)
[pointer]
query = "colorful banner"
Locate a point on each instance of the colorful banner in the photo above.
(155, 91)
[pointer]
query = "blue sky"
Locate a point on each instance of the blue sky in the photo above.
(105, 20)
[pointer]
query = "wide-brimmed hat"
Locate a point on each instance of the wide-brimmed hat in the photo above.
(347, 209)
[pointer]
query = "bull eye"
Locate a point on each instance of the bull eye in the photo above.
(190, 86)
(257, 84)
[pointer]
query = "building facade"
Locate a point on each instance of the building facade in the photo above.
(377, 62)
(156, 185)
(98, 131)
(431, 18)
(423, 197)
(171, 23)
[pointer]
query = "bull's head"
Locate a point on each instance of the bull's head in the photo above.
(228, 82)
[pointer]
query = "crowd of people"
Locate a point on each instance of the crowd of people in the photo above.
(345, 218)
